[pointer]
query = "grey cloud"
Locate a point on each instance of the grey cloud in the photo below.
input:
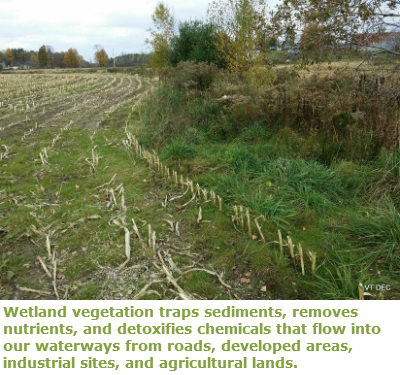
(127, 20)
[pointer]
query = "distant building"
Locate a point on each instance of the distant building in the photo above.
(17, 67)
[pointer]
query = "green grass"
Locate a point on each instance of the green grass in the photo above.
(59, 198)
(89, 292)
(341, 203)
(377, 231)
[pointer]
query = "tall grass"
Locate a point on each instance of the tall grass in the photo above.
(377, 232)
(317, 156)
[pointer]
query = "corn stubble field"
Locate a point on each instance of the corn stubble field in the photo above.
(87, 213)
(82, 214)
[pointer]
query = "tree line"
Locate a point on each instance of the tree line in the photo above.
(46, 57)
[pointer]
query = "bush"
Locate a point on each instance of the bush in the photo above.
(196, 42)
(194, 77)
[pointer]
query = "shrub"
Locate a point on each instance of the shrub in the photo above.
(194, 77)
(196, 42)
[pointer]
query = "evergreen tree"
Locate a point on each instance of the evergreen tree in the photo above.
(196, 42)
(43, 57)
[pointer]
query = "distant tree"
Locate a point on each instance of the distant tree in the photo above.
(72, 58)
(143, 58)
(9, 56)
(43, 57)
(34, 60)
(124, 59)
(83, 63)
(23, 56)
(58, 59)
(239, 24)
(161, 36)
(50, 56)
(101, 57)
(15, 56)
(197, 42)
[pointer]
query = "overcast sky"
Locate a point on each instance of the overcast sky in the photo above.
(117, 25)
